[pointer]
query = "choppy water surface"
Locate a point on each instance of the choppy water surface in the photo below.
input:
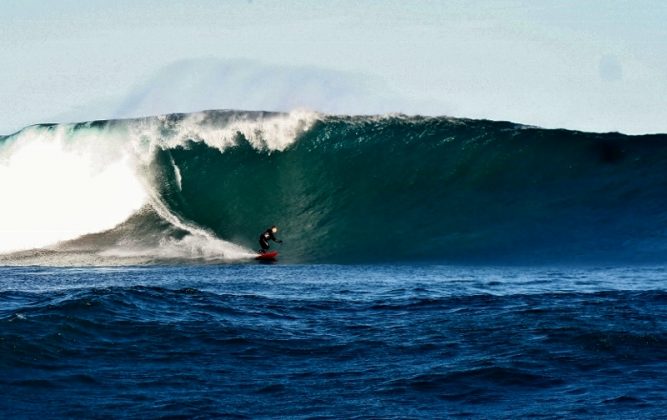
(340, 341)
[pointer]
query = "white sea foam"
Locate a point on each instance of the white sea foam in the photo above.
(53, 190)
(272, 132)
(193, 246)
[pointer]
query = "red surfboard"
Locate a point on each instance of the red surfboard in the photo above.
(267, 256)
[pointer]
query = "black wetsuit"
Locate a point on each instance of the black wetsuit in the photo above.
(264, 239)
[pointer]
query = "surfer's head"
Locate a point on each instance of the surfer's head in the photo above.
(274, 229)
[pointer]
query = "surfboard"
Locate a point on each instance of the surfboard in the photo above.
(267, 256)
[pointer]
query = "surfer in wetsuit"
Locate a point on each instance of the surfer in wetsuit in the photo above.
(269, 234)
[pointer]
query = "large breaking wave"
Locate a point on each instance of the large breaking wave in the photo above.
(342, 188)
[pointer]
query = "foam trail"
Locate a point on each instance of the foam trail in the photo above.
(199, 243)
(177, 173)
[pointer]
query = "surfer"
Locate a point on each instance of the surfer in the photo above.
(269, 234)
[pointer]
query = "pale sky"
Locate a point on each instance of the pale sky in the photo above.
(589, 65)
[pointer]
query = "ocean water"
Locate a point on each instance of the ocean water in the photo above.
(431, 267)
(338, 341)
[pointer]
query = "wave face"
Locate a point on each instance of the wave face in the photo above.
(365, 189)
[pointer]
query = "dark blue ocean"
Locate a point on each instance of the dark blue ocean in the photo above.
(333, 341)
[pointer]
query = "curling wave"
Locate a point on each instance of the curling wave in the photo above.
(343, 189)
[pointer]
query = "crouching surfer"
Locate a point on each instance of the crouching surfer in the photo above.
(269, 234)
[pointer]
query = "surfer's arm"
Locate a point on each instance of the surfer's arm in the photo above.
(273, 237)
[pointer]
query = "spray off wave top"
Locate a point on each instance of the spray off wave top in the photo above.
(342, 189)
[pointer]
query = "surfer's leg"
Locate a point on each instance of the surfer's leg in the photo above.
(264, 244)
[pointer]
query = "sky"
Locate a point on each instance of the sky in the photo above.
(586, 65)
